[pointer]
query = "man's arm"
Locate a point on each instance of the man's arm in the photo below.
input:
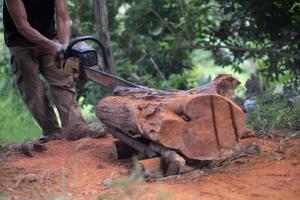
(19, 16)
(62, 20)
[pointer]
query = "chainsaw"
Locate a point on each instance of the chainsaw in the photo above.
(81, 60)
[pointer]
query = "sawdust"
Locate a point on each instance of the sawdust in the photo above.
(86, 168)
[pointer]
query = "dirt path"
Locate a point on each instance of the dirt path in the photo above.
(86, 169)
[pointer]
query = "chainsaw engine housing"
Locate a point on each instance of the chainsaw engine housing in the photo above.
(87, 54)
(80, 55)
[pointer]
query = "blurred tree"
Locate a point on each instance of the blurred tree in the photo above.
(101, 24)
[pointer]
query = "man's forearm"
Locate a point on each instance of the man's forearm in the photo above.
(34, 36)
(63, 22)
(63, 30)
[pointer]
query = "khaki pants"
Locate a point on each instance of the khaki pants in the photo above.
(28, 63)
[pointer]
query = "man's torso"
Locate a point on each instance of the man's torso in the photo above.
(40, 15)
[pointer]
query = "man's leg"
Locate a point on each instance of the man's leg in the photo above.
(26, 69)
(64, 96)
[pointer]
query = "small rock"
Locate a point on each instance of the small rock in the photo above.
(39, 147)
(100, 166)
(123, 172)
(31, 178)
(281, 148)
(85, 193)
(239, 162)
(294, 99)
(108, 182)
(251, 105)
(295, 162)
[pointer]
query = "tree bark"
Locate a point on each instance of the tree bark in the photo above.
(196, 124)
(101, 19)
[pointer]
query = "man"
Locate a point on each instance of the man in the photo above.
(34, 44)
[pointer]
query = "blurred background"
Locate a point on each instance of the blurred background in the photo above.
(182, 44)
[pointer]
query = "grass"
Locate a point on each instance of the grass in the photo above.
(268, 155)
(124, 188)
(274, 113)
(16, 124)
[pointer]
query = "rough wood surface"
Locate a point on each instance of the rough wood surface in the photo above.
(199, 125)
(151, 167)
(223, 84)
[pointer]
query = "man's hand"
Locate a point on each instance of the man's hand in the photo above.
(56, 47)
(56, 51)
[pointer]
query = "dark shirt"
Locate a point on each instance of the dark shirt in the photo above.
(40, 15)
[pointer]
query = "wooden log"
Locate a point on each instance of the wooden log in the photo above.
(198, 125)
(151, 167)
(171, 163)
(223, 84)
(141, 147)
(168, 164)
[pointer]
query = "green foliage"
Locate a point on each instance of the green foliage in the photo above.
(270, 27)
(146, 34)
(275, 113)
(166, 30)
(82, 18)
(16, 123)
(186, 80)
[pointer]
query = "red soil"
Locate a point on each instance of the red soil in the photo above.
(83, 170)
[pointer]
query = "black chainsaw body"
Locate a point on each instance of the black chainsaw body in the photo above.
(86, 54)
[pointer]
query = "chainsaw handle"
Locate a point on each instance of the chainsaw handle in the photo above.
(85, 38)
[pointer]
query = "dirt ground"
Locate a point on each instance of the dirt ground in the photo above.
(86, 169)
